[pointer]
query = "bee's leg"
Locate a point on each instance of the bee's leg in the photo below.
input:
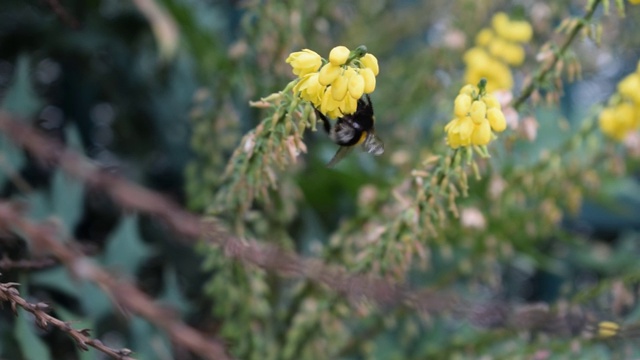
(325, 121)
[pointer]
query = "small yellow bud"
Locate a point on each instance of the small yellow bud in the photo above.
(481, 134)
(465, 129)
(629, 87)
(478, 112)
(520, 31)
(339, 55)
(462, 105)
(356, 86)
(339, 87)
(328, 73)
(484, 37)
(349, 105)
(328, 104)
(607, 329)
(491, 101)
(371, 62)
(496, 119)
(469, 90)
(369, 80)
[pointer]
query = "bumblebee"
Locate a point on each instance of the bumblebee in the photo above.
(354, 129)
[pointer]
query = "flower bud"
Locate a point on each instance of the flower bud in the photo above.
(339, 55)
(478, 112)
(369, 61)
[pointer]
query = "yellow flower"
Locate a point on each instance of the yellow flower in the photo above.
(619, 120)
(369, 80)
(356, 85)
(462, 105)
(478, 112)
(509, 52)
(520, 31)
(484, 37)
(339, 55)
(370, 62)
(304, 62)
(634, 2)
(516, 31)
(496, 119)
(629, 87)
(607, 329)
(481, 134)
(476, 115)
(497, 74)
(335, 87)
(328, 73)
(310, 89)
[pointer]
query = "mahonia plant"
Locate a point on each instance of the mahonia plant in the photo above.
(476, 115)
(335, 87)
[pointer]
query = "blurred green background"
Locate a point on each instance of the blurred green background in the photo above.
(163, 99)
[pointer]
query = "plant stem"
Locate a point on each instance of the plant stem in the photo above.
(544, 71)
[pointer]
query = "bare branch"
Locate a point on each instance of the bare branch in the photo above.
(125, 293)
(9, 293)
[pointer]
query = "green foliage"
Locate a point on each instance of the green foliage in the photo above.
(550, 217)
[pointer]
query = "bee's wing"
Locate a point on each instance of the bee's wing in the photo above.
(373, 145)
(340, 154)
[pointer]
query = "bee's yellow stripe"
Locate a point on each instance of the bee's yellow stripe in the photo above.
(362, 138)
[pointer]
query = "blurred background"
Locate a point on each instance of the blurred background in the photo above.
(158, 92)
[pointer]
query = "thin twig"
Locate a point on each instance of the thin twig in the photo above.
(9, 293)
(550, 64)
(27, 264)
(126, 294)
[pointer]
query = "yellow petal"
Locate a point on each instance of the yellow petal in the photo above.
(484, 37)
(339, 55)
(462, 105)
(304, 62)
(349, 105)
(339, 88)
(369, 80)
(465, 130)
(496, 119)
(478, 112)
(468, 89)
(356, 86)
(481, 134)
(369, 61)
(328, 73)
(491, 101)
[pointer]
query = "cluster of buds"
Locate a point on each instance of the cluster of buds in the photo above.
(334, 86)
(496, 49)
(622, 116)
(477, 114)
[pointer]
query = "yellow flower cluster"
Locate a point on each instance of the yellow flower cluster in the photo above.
(634, 2)
(335, 87)
(622, 116)
(497, 48)
(476, 115)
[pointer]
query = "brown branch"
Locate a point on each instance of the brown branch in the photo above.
(27, 264)
(9, 293)
(551, 64)
(191, 228)
(124, 293)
